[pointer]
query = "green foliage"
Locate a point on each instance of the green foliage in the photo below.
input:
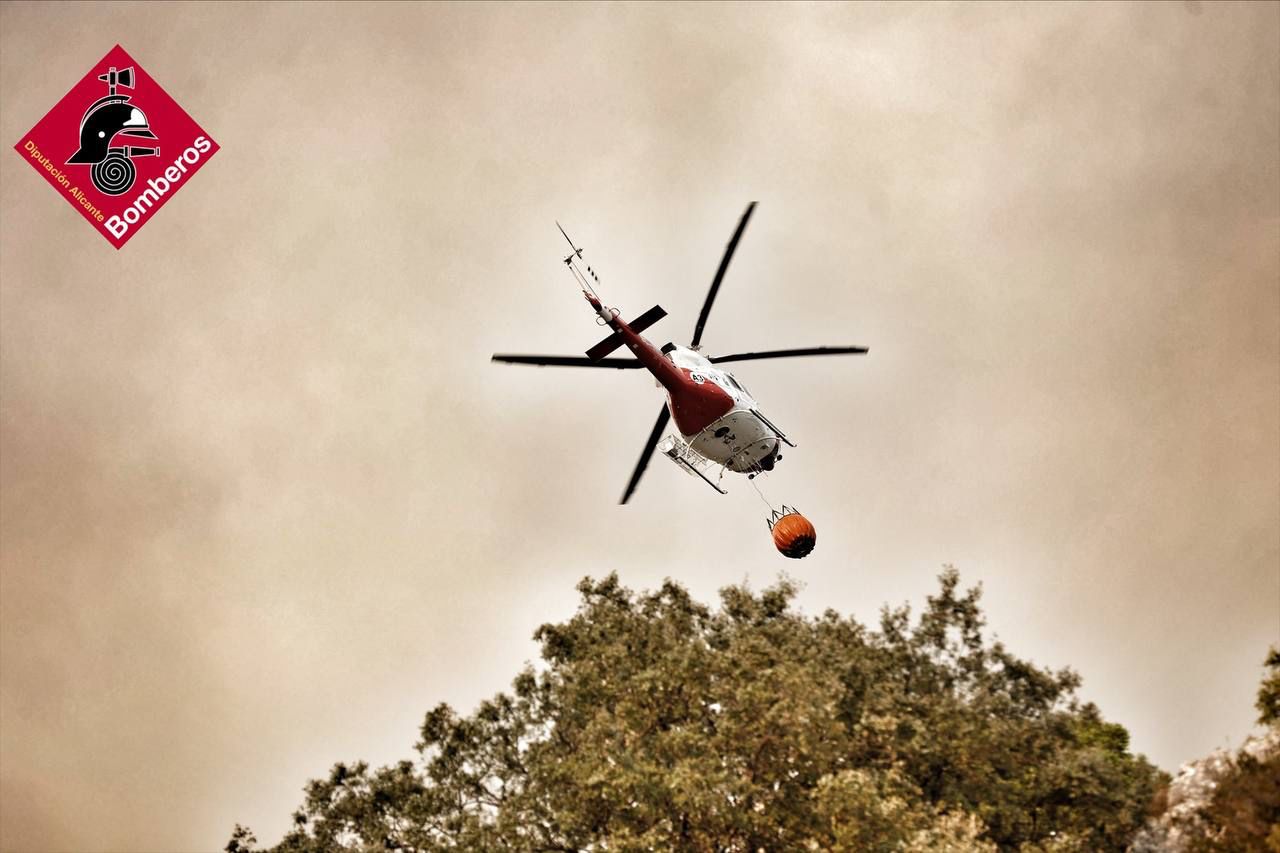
(1268, 703)
(242, 840)
(1244, 814)
(656, 723)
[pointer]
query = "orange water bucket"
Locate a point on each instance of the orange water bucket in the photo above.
(793, 534)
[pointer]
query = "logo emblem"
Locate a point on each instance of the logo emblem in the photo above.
(107, 118)
(117, 146)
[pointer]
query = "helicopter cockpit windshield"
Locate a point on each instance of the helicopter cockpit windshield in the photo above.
(735, 383)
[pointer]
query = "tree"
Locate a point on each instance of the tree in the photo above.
(1268, 703)
(655, 723)
(242, 840)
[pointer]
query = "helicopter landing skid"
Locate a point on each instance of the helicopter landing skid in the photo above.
(685, 458)
(771, 426)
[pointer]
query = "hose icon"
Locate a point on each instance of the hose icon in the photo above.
(113, 175)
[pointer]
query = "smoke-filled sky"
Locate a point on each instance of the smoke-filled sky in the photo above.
(266, 501)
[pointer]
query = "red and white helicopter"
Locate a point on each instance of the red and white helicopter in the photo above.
(719, 422)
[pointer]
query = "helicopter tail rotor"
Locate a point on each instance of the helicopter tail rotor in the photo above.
(613, 341)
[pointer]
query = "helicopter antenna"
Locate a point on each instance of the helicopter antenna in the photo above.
(571, 262)
(576, 250)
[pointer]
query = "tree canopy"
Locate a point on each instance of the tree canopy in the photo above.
(654, 722)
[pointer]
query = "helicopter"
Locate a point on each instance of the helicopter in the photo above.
(718, 422)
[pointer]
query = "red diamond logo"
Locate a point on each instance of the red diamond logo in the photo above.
(117, 147)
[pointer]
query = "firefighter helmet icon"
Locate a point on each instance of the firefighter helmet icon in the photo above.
(110, 116)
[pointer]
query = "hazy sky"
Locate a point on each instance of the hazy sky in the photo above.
(265, 500)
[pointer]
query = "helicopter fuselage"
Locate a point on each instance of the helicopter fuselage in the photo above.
(714, 413)
(723, 425)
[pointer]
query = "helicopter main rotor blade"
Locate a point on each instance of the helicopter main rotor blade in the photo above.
(645, 455)
(715, 283)
(788, 353)
(568, 361)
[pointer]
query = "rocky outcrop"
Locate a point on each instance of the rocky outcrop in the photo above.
(1191, 792)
